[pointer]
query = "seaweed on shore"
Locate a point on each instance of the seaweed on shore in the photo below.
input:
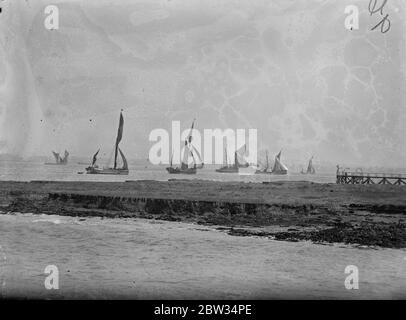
(391, 235)
(317, 223)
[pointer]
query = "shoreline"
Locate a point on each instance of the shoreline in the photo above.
(371, 215)
(151, 259)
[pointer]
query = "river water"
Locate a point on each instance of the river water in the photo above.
(27, 171)
(146, 259)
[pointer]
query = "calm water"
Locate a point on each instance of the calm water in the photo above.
(127, 258)
(26, 171)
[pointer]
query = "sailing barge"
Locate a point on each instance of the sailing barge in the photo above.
(265, 169)
(190, 152)
(226, 168)
(58, 159)
(94, 169)
(310, 168)
(279, 167)
(233, 168)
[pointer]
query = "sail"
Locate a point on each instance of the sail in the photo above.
(199, 161)
(118, 139)
(310, 168)
(279, 155)
(125, 164)
(190, 154)
(57, 157)
(191, 151)
(239, 157)
(236, 159)
(95, 158)
(186, 154)
(193, 158)
(279, 167)
(65, 157)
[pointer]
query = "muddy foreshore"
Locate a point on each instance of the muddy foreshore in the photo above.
(372, 215)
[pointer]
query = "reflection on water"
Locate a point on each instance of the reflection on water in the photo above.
(127, 258)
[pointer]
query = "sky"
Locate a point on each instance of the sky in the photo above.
(288, 68)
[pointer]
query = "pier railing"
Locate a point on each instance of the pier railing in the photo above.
(346, 177)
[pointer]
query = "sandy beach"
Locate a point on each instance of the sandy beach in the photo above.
(372, 215)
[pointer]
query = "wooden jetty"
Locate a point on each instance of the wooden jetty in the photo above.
(345, 177)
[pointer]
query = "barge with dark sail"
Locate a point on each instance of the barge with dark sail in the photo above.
(58, 159)
(94, 169)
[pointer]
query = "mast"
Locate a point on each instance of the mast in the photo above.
(118, 139)
(225, 153)
(189, 138)
(267, 161)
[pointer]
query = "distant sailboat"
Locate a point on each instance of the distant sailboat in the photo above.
(233, 168)
(266, 169)
(226, 168)
(58, 159)
(190, 152)
(184, 168)
(279, 167)
(310, 168)
(94, 169)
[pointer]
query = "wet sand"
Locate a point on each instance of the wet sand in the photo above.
(372, 215)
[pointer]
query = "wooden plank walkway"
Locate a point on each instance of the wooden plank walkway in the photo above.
(370, 178)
